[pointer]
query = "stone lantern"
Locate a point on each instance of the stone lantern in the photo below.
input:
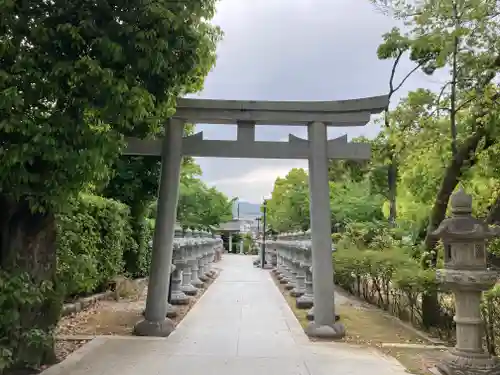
(178, 230)
(465, 273)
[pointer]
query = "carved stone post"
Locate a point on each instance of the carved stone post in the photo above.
(287, 280)
(310, 313)
(279, 261)
(306, 300)
(292, 282)
(198, 246)
(466, 275)
(210, 261)
(298, 271)
(178, 297)
(186, 285)
(220, 247)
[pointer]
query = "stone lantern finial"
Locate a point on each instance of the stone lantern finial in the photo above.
(461, 202)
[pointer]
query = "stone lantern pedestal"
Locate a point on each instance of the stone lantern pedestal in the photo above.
(465, 273)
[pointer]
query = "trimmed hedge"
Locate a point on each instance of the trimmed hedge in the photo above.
(138, 258)
(395, 282)
(93, 234)
(389, 279)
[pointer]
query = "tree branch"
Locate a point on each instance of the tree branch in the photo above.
(408, 76)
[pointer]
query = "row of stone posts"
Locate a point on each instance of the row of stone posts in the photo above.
(465, 274)
(292, 255)
(194, 252)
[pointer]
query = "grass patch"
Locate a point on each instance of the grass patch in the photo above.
(369, 326)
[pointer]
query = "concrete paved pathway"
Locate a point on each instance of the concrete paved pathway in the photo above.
(242, 325)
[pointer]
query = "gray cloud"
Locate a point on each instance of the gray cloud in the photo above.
(292, 50)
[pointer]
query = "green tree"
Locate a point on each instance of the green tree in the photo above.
(461, 36)
(135, 182)
(201, 206)
(355, 170)
(75, 78)
(288, 208)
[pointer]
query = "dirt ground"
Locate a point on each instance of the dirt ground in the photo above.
(369, 326)
(109, 317)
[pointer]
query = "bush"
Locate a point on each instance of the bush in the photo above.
(490, 310)
(92, 236)
(248, 244)
(18, 338)
(138, 257)
(390, 279)
(396, 282)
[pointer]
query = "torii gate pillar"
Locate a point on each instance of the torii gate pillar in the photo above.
(155, 321)
(324, 325)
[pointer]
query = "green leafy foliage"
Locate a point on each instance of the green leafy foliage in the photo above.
(249, 245)
(74, 80)
(288, 208)
(17, 341)
(137, 257)
(201, 206)
(93, 235)
(390, 279)
(106, 69)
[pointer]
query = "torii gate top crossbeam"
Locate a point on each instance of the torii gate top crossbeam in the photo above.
(352, 112)
(246, 114)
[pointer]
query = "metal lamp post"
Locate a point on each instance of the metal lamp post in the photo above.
(263, 251)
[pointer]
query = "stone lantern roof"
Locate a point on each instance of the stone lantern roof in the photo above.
(462, 225)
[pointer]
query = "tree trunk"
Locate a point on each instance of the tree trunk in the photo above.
(28, 244)
(493, 217)
(135, 258)
(464, 159)
(392, 181)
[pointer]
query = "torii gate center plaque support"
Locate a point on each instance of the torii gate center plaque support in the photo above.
(317, 149)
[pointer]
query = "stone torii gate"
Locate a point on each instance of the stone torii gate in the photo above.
(317, 149)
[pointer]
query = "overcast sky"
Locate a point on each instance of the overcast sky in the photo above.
(293, 50)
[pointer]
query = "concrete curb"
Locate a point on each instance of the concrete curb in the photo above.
(71, 360)
(85, 302)
(413, 346)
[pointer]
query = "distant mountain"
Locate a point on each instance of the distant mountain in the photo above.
(247, 210)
